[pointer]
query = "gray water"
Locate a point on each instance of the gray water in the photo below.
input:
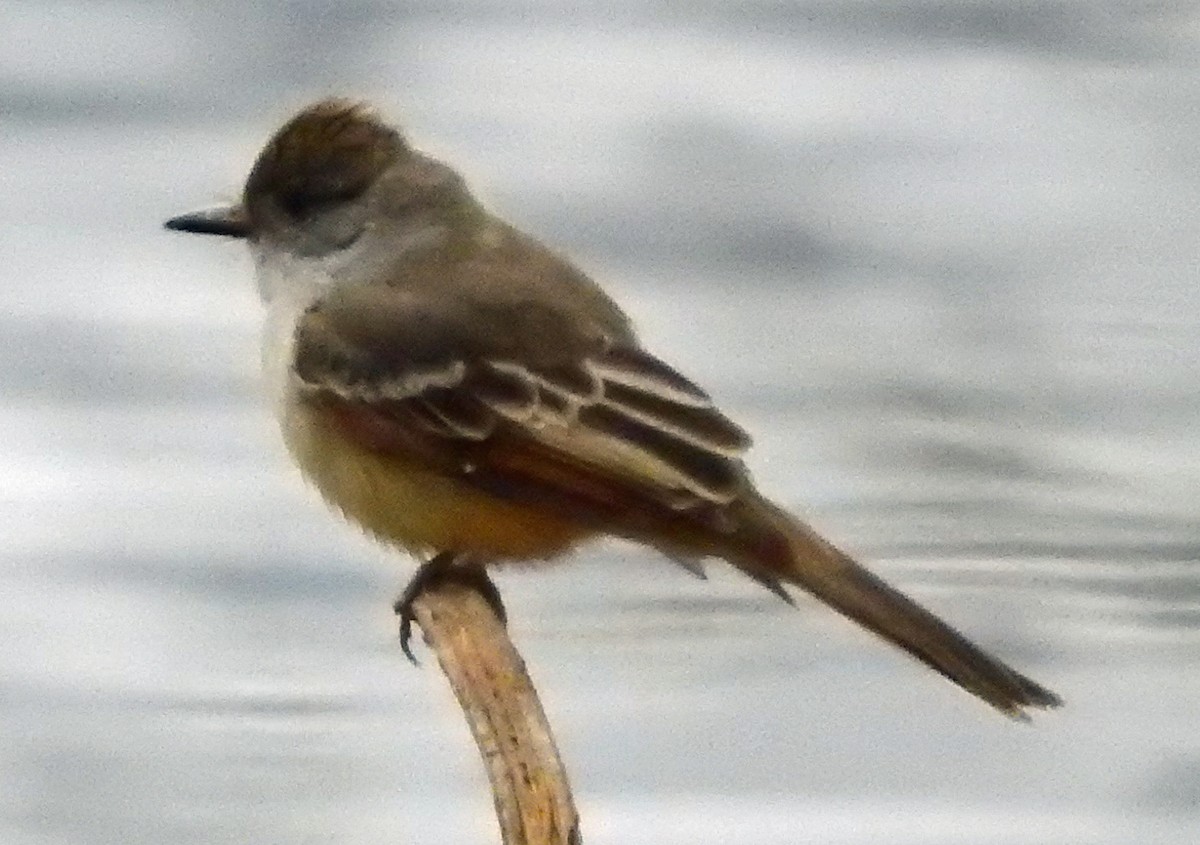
(939, 257)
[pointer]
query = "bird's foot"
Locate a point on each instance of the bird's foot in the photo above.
(447, 566)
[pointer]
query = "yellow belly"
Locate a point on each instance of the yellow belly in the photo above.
(410, 507)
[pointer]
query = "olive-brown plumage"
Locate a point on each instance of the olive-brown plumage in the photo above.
(452, 385)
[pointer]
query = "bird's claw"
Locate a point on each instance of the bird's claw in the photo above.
(406, 622)
(443, 566)
(425, 575)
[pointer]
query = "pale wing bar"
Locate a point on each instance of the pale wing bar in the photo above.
(624, 397)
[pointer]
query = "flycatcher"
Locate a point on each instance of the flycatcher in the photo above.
(463, 392)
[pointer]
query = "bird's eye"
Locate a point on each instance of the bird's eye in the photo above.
(309, 200)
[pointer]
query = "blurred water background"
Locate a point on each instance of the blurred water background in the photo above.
(941, 257)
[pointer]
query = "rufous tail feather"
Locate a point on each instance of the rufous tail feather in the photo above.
(774, 547)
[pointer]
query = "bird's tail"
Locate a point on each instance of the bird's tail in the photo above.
(774, 547)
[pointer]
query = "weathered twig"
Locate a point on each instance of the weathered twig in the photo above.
(529, 785)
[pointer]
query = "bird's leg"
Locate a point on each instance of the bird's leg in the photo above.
(426, 575)
(446, 566)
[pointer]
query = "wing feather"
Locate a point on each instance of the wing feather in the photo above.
(610, 410)
(641, 371)
(701, 426)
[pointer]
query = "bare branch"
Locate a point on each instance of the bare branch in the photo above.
(461, 620)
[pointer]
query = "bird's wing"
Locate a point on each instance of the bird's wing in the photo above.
(518, 399)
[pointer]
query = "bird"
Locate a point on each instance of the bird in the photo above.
(468, 395)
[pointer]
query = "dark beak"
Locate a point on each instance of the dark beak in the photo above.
(230, 221)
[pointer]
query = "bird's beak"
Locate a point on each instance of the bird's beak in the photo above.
(230, 221)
